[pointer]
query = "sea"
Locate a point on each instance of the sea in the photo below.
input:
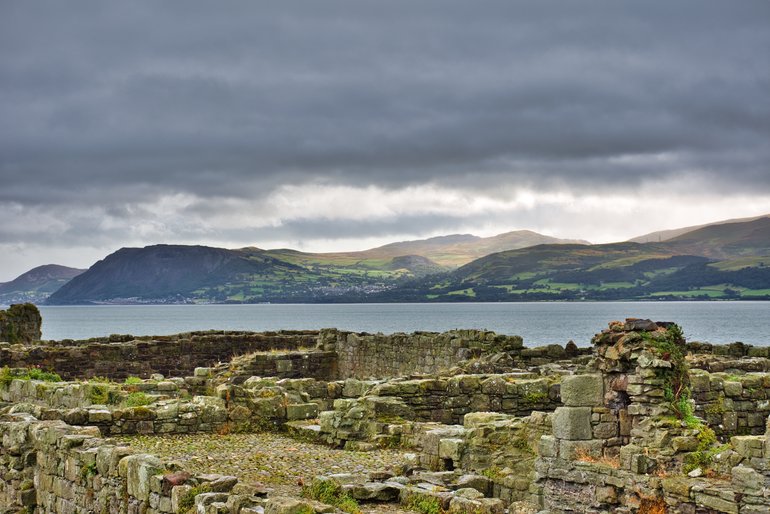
(539, 323)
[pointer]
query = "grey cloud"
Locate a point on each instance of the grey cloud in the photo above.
(103, 104)
(233, 99)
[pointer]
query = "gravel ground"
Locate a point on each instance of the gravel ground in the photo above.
(276, 461)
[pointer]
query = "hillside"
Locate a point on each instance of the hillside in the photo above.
(184, 274)
(446, 252)
(36, 284)
(664, 235)
(178, 274)
(730, 260)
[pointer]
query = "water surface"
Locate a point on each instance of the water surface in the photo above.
(538, 322)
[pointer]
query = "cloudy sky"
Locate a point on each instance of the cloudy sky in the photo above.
(349, 124)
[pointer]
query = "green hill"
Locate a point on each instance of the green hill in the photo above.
(729, 260)
(36, 284)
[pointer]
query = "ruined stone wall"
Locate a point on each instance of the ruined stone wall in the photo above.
(20, 324)
(52, 467)
(732, 404)
(377, 355)
(283, 364)
(628, 440)
(448, 399)
(175, 356)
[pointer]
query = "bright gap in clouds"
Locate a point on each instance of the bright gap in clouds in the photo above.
(333, 218)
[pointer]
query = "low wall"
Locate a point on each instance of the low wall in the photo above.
(52, 467)
(732, 404)
(283, 364)
(393, 355)
(447, 400)
(178, 356)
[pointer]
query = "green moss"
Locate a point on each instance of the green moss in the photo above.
(703, 456)
(87, 471)
(717, 408)
(331, 493)
(521, 443)
(7, 375)
(493, 473)
(425, 505)
(187, 501)
(137, 399)
(103, 395)
(536, 397)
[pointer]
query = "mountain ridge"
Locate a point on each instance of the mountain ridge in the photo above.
(728, 259)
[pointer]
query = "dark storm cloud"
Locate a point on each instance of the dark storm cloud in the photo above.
(105, 101)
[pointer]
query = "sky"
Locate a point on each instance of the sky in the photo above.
(344, 125)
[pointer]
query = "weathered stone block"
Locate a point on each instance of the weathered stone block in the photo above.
(582, 390)
(572, 423)
(301, 411)
(580, 449)
(451, 448)
(140, 469)
(733, 389)
(548, 446)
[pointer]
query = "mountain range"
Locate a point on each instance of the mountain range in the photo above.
(728, 259)
(36, 284)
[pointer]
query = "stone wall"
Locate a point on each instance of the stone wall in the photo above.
(448, 399)
(732, 404)
(627, 440)
(394, 355)
(20, 324)
(122, 356)
(52, 467)
(319, 365)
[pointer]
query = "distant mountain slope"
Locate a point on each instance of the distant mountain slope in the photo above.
(36, 284)
(449, 251)
(726, 240)
(180, 274)
(163, 272)
(665, 235)
(730, 260)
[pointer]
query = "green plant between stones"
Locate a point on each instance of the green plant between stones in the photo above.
(425, 505)
(7, 375)
(331, 493)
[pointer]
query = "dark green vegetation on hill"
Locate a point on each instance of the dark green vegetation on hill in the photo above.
(36, 284)
(730, 260)
(177, 274)
(725, 261)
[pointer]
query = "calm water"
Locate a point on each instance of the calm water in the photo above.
(538, 323)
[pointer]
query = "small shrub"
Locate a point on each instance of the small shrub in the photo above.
(717, 408)
(103, 395)
(536, 397)
(493, 473)
(330, 492)
(133, 381)
(187, 502)
(88, 471)
(7, 375)
(137, 399)
(703, 456)
(425, 505)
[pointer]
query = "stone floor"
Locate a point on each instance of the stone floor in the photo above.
(278, 462)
